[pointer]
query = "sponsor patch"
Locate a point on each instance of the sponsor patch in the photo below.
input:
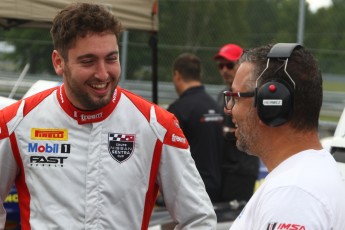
(48, 161)
(211, 117)
(49, 134)
(49, 148)
(285, 226)
(175, 138)
(48, 154)
(121, 146)
(87, 117)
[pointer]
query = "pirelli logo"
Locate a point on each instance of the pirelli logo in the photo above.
(49, 134)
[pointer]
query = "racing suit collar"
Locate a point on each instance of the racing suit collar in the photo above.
(85, 117)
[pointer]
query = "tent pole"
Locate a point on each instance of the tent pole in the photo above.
(21, 77)
(154, 47)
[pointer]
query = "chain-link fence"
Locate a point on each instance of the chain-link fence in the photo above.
(202, 26)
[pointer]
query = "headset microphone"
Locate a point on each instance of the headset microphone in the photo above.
(274, 99)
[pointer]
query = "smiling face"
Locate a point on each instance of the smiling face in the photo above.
(243, 113)
(91, 71)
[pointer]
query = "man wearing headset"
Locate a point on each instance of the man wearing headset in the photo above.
(275, 104)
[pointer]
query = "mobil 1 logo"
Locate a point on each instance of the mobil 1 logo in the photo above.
(51, 155)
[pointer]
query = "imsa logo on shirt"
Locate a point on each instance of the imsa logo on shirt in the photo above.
(121, 146)
(285, 226)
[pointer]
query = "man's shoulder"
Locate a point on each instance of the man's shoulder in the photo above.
(176, 105)
(20, 109)
(145, 106)
(136, 99)
(160, 119)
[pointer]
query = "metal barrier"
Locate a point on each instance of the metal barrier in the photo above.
(333, 102)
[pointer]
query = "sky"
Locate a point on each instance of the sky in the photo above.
(315, 4)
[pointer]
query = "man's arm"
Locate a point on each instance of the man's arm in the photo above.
(184, 191)
(8, 171)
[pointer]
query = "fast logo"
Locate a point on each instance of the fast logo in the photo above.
(47, 160)
(45, 157)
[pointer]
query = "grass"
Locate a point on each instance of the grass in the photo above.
(329, 118)
(334, 86)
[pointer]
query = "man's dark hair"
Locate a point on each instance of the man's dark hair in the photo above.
(304, 70)
(78, 20)
(189, 66)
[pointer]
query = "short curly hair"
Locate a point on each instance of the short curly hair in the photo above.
(79, 20)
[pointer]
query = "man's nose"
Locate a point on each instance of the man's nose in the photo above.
(102, 72)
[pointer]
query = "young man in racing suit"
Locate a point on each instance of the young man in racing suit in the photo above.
(89, 154)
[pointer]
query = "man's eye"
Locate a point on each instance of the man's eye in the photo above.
(86, 61)
(112, 59)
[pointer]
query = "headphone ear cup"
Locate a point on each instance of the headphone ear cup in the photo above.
(274, 102)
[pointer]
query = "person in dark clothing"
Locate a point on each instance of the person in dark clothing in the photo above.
(239, 170)
(200, 119)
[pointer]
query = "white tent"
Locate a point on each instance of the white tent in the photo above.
(134, 14)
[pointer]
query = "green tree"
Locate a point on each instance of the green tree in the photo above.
(33, 46)
(325, 34)
(201, 27)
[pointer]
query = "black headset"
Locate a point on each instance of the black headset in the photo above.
(274, 99)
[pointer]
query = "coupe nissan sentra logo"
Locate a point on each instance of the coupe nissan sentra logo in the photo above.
(121, 146)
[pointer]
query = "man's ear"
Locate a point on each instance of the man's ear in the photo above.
(58, 63)
(177, 75)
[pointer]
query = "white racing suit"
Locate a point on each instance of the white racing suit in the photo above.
(98, 170)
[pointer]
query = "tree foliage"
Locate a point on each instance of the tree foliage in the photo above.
(32, 46)
(201, 27)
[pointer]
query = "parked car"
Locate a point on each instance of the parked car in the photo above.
(336, 143)
(5, 101)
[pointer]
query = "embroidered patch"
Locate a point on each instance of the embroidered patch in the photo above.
(121, 146)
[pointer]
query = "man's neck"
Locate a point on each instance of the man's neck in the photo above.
(188, 85)
(286, 143)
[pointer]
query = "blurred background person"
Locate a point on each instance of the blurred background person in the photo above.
(200, 118)
(239, 170)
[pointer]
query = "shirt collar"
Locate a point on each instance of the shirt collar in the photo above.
(84, 117)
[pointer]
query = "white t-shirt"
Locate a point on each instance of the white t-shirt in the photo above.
(305, 192)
